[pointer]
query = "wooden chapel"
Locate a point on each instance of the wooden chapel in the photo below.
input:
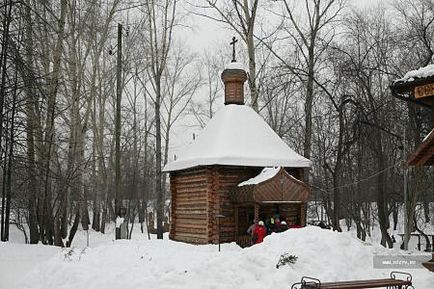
(237, 170)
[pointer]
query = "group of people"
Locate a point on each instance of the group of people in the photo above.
(258, 230)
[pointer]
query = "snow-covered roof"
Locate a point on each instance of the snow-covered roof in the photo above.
(266, 174)
(422, 72)
(238, 136)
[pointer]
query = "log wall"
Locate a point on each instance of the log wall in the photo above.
(200, 194)
(189, 206)
(225, 179)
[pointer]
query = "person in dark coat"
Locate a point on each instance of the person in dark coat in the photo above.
(260, 232)
(251, 231)
(283, 226)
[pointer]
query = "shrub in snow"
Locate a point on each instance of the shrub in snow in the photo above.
(74, 255)
(286, 259)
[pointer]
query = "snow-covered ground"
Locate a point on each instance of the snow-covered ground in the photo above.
(142, 263)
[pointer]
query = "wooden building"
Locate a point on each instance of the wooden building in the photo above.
(209, 202)
(418, 87)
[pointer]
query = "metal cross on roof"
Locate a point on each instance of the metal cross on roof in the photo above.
(234, 40)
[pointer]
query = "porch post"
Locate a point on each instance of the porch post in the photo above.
(257, 212)
(302, 215)
(236, 223)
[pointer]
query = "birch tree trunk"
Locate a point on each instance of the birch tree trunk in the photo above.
(30, 127)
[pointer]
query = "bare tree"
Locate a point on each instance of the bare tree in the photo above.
(204, 109)
(159, 41)
(311, 38)
(239, 15)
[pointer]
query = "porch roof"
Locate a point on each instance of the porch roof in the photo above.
(281, 188)
(424, 153)
(405, 87)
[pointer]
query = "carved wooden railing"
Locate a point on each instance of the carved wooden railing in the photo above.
(244, 241)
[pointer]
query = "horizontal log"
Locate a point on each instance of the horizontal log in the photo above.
(198, 214)
(192, 186)
(195, 222)
(190, 190)
(177, 177)
(191, 228)
(190, 177)
(191, 203)
(188, 196)
(181, 188)
(189, 182)
(188, 230)
(190, 208)
(190, 239)
(198, 222)
(188, 173)
(183, 215)
(200, 234)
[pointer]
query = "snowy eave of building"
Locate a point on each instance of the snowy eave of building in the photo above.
(266, 174)
(235, 65)
(237, 136)
(412, 75)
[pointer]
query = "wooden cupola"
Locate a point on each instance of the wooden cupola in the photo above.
(234, 77)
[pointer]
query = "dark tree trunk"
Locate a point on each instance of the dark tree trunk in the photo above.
(426, 209)
(395, 215)
(383, 216)
(74, 227)
(4, 173)
(427, 242)
(10, 161)
(29, 81)
(104, 214)
(96, 216)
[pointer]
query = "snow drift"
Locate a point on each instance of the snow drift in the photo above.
(324, 254)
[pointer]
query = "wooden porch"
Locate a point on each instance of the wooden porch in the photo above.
(293, 213)
(282, 195)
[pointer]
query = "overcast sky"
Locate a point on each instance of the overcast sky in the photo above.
(205, 34)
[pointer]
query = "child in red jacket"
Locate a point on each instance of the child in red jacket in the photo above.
(260, 232)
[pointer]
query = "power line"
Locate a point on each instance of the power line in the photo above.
(359, 181)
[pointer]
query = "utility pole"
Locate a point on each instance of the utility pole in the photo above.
(406, 233)
(118, 130)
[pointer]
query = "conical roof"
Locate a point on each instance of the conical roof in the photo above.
(237, 136)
